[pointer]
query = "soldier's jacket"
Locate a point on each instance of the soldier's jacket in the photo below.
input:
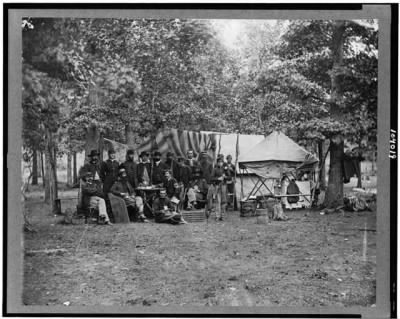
(165, 216)
(230, 171)
(170, 188)
(217, 173)
(121, 186)
(108, 174)
(92, 168)
(174, 167)
(131, 170)
(140, 171)
(158, 173)
(184, 174)
(90, 189)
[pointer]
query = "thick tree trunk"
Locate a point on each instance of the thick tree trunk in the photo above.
(35, 168)
(129, 135)
(42, 169)
(359, 182)
(69, 169)
(334, 193)
(75, 169)
(92, 141)
(51, 193)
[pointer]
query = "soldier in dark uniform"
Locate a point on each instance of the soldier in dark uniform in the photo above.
(93, 166)
(93, 196)
(190, 160)
(219, 188)
(144, 169)
(230, 180)
(109, 172)
(171, 185)
(157, 176)
(172, 165)
(206, 164)
(164, 210)
(134, 203)
(185, 173)
(131, 169)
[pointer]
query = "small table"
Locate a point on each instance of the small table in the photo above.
(147, 191)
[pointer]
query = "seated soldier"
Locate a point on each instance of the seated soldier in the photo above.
(172, 187)
(198, 189)
(164, 211)
(124, 189)
(93, 196)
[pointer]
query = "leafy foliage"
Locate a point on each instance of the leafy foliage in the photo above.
(140, 75)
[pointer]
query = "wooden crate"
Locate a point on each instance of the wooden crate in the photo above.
(248, 208)
(193, 216)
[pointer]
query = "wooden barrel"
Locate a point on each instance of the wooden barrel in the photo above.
(262, 216)
(248, 208)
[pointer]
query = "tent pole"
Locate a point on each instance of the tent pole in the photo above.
(241, 185)
(219, 144)
(236, 163)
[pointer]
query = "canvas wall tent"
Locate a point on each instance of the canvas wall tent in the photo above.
(272, 157)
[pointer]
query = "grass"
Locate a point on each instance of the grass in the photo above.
(310, 260)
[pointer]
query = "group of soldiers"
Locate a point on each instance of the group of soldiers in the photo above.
(195, 183)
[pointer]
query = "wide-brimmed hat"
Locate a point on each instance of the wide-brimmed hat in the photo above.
(144, 154)
(129, 152)
(111, 151)
(94, 153)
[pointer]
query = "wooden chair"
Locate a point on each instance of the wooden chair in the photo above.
(119, 210)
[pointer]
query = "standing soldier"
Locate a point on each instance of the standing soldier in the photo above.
(93, 166)
(131, 169)
(219, 188)
(144, 169)
(190, 160)
(230, 180)
(157, 177)
(109, 172)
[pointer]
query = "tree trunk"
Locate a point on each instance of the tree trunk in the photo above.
(69, 169)
(334, 193)
(359, 182)
(322, 172)
(129, 135)
(35, 168)
(42, 169)
(75, 169)
(92, 141)
(51, 173)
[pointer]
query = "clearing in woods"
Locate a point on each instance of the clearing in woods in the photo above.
(310, 260)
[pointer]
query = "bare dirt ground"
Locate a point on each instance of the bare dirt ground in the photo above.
(310, 260)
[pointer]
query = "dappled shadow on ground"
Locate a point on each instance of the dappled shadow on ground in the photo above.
(310, 260)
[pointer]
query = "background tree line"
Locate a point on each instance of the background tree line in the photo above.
(314, 80)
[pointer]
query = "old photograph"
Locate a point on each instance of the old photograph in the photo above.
(185, 162)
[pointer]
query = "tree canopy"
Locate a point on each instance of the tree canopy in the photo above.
(132, 77)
